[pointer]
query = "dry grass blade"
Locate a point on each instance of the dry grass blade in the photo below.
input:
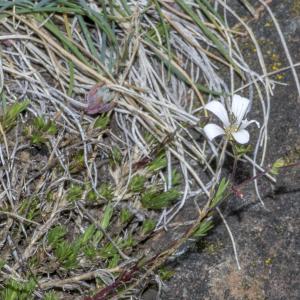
(105, 143)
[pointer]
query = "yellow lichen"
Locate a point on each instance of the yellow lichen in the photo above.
(295, 8)
(268, 261)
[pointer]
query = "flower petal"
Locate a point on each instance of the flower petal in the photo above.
(242, 136)
(213, 130)
(246, 123)
(239, 107)
(219, 110)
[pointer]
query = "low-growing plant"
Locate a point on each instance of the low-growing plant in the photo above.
(16, 290)
(106, 191)
(102, 121)
(165, 273)
(51, 296)
(74, 192)
(115, 156)
(204, 227)
(56, 235)
(125, 215)
(220, 193)
(30, 208)
(67, 253)
(77, 163)
(155, 199)
(147, 226)
(40, 131)
(158, 163)
(137, 183)
(10, 114)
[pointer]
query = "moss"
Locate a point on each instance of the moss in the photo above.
(295, 9)
(268, 261)
(210, 247)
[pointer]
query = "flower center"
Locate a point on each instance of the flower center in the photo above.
(231, 129)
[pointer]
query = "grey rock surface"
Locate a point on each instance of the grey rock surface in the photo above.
(267, 238)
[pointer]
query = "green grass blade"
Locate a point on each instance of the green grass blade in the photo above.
(165, 30)
(185, 7)
(126, 7)
(88, 37)
(72, 78)
(211, 9)
(98, 19)
(49, 25)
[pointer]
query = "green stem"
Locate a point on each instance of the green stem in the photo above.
(220, 164)
(236, 158)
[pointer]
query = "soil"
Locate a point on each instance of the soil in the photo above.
(267, 239)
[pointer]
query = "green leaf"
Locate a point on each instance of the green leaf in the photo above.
(102, 23)
(115, 156)
(212, 10)
(67, 254)
(52, 129)
(49, 25)
(113, 262)
(88, 234)
(39, 123)
(137, 183)
(176, 178)
(56, 234)
(40, 131)
(42, 125)
(98, 235)
(106, 191)
(126, 7)
(90, 251)
(203, 228)
(91, 196)
(126, 243)
(125, 215)
(50, 296)
(11, 114)
(77, 162)
(154, 199)
(220, 194)
(15, 290)
(88, 37)
(74, 193)
(108, 250)
(166, 29)
(108, 212)
(279, 163)
(30, 207)
(165, 274)
(242, 149)
(148, 226)
(37, 139)
(102, 121)
(2, 263)
(158, 163)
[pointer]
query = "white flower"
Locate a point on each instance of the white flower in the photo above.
(234, 124)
